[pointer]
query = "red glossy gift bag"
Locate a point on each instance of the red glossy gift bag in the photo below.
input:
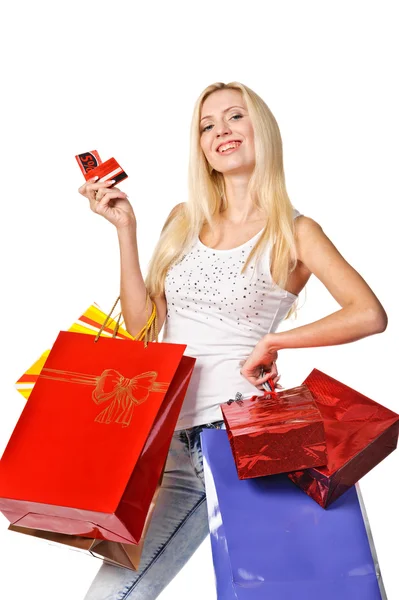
(359, 433)
(121, 555)
(89, 447)
(270, 434)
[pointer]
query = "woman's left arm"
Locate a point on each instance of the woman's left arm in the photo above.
(361, 312)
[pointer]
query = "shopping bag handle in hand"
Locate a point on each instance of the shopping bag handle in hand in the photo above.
(268, 386)
(149, 330)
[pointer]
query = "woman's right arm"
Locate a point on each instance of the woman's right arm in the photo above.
(114, 206)
(133, 291)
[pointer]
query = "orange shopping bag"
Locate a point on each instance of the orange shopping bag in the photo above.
(91, 322)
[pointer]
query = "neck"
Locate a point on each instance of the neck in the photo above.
(240, 206)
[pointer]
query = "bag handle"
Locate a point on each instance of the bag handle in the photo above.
(269, 387)
(149, 330)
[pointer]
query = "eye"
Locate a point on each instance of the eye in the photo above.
(233, 117)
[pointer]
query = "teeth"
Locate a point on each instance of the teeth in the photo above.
(228, 146)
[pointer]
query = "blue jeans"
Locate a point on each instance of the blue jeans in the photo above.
(178, 526)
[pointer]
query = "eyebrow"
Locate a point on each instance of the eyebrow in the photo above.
(227, 109)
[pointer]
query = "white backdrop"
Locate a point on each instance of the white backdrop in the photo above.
(123, 78)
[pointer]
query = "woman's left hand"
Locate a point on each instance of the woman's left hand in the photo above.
(262, 357)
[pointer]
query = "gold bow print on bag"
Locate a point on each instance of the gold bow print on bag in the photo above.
(121, 392)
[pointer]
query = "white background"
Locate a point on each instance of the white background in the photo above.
(123, 79)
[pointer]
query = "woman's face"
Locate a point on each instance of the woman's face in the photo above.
(224, 118)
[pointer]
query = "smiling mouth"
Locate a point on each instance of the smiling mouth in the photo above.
(227, 148)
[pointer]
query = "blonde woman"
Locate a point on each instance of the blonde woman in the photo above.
(227, 269)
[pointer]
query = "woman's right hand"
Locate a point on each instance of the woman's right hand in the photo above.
(112, 204)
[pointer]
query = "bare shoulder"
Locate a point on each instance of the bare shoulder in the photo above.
(310, 238)
(305, 226)
(176, 211)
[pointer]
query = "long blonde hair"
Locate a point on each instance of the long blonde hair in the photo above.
(207, 197)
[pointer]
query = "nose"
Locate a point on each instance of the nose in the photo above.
(222, 128)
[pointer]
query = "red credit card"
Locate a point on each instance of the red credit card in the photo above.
(88, 161)
(91, 165)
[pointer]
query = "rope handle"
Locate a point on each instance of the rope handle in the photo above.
(147, 333)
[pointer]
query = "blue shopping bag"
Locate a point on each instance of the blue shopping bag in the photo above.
(270, 541)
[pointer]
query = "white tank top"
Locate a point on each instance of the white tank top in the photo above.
(220, 314)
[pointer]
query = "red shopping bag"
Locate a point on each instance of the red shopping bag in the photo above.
(359, 434)
(270, 434)
(121, 555)
(89, 447)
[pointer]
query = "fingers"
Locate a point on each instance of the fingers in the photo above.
(99, 205)
(268, 373)
(83, 188)
(102, 191)
(92, 186)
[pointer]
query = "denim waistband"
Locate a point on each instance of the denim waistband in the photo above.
(199, 428)
(214, 425)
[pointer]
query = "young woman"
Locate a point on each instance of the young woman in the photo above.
(227, 269)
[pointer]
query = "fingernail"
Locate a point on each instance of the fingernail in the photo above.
(95, 178)
(111, 181)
